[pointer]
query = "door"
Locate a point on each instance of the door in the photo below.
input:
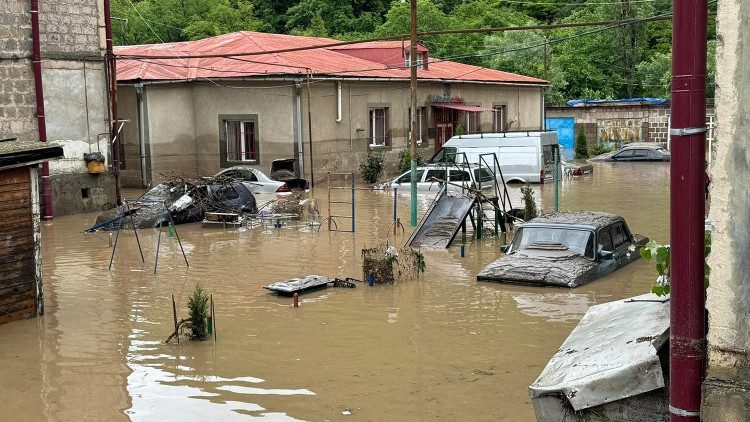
(565, 128)
(443, 132)
(606, 245)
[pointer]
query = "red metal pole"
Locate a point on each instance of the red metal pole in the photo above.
(111, 61)
(688, 331)
(36, 58)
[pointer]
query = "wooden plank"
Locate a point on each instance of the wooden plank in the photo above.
(24, 313)
(22, 278)
(14, 176)
(14, 240)
(9, 296)
(14, 195)
(25, 225)
(16, 254)
(26, 187)
(17, 269)
(19, 204)
(12, 216)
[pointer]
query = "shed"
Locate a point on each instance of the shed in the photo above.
(20, 255)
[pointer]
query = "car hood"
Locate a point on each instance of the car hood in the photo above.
(540, 268)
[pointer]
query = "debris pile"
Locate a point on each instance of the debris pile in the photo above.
(291, 204)
(388, 264)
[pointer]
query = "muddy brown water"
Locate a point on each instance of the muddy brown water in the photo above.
(443, 347)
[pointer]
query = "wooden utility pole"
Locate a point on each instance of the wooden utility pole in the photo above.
(414, 111)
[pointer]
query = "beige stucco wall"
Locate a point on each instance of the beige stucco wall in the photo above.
(183, 121)
(727, 387)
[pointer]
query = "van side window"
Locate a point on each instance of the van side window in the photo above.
(438, 174)
(458, 176)
(605, 240)
(406, 178)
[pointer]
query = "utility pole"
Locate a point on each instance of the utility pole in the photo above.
(687, 338)
(112, 64)
(414, 111)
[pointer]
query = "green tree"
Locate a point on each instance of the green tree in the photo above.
(581, 147)
(198, 313)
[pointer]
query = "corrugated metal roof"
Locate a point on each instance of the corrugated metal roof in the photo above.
(327, 61)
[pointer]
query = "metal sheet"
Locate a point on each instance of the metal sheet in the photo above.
(610, 355)
(442, 220)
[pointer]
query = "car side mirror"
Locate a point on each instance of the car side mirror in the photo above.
(505, 248)
(606, 255)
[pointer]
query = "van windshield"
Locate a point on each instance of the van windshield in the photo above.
(445, 155)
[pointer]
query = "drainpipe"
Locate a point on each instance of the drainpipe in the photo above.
(338, 101)
(114, 138)
(139, 92)
(36, 58)
(298, 125)
(687, 204)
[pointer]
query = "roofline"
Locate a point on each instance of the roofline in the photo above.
(301, 78)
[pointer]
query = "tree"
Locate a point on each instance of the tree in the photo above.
(581, 147)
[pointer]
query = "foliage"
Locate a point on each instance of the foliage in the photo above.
(372, 167)
(581, 147)
(661, 255)
(600, 149)
(404, 160)
(198, 307)
(529, 203)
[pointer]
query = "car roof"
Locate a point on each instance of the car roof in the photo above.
(642, 145)
(590, 220)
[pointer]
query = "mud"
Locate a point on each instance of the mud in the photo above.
(443, 347)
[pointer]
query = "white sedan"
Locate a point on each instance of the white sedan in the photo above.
(254, 179)
(429, 177)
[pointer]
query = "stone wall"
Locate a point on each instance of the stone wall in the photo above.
(726, 391)
(75, 96)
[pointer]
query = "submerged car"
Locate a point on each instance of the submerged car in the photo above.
(565, 249)
(255, 180)
(641, 152)
(574, 168)
(432, 177)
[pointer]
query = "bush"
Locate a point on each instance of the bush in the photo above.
(600, 149)
(198, 307)
(372, 167)
(404, 160)
(581, 148)
(529, 203)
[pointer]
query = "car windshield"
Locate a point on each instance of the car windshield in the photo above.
(577, 241)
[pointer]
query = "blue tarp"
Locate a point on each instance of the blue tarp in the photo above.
(623, 101)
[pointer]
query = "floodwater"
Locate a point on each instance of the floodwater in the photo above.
(442, 347)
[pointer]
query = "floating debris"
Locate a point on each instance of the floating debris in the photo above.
(388, 264)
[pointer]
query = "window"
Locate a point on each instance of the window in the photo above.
(605, 240)
(437, 174)
(241, 140)
(226, 193)
(458, 176)
(619, 235)
(406, 178)
(499, 119)
(420, 59)
(379, 127)
(472, 122)
(624, 155)
(640, 154)
(421, 124)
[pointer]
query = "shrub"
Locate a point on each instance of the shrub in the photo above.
(198, 307)
(404, 160)
(529, 203)
(372, 167)
(581, 148)
(600, 149)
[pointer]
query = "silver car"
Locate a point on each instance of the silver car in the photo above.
(433, 177)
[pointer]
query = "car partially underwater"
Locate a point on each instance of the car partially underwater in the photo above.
(567, 249)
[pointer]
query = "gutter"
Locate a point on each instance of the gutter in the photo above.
(39, 96)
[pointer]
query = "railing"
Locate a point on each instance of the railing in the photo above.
(332, 224)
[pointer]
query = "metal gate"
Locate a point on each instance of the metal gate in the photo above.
(565, 128)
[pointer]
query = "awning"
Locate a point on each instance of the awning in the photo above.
(462, 107)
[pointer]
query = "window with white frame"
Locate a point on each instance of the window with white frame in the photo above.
(472, 121)
(499, 118)
(241, 140)
(420, 59)
(421, 124)
(379, 131)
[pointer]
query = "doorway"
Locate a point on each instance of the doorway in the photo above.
(443, 132)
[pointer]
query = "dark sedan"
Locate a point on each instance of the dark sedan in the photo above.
(566, 250)
(640, 153)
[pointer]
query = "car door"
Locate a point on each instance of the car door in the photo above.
(641, 155)
(459, 177)
(605, 245)
(621, 242)
(626, 155)
(428, 184)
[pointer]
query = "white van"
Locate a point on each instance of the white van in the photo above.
(524, 157)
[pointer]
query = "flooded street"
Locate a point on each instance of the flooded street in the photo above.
(443, 347)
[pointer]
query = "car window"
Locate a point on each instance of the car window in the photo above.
(438, 174)
(483, 175)
(628, 153)
(251, 176)
(605, 240)
(406, 178)
(640, 153)
(619, 237)
(446, 154)
(230, 174)
(226, 193)
(458, 175)
(654, 154)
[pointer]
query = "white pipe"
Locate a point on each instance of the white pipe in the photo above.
(338, 101)
(298, 126)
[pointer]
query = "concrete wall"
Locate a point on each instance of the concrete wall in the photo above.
(183, 121)
(726, 391)
(75, 100)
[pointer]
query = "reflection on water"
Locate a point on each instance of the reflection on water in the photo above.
(441, 347)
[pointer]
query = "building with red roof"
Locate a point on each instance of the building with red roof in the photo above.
(242, 98)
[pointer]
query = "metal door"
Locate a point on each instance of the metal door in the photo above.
(443, 132)
(565, 128)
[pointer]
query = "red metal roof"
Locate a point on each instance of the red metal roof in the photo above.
(459, 106)
(326, 61)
